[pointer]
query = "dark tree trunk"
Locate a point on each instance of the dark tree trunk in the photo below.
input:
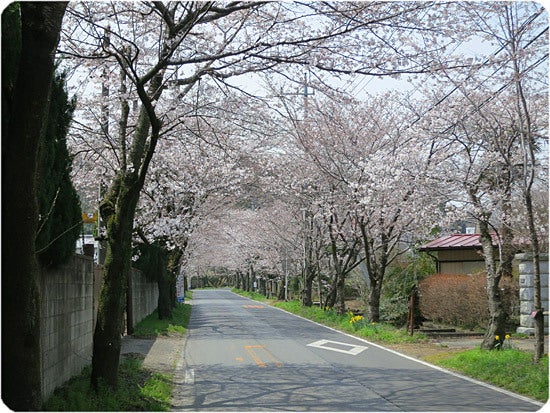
(263, 289)
(23, 117)
(164, 282)
(330, 301)
(340, 295)
(281, 294)
(119, 219)
(174, 262)
(374, 300)
(129, 305)
(118, 211)
(376, 266)
(497, 315)
(309, 269)
(307, 291)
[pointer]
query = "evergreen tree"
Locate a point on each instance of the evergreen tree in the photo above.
(59, 205)
(31, 35)
(161, 265)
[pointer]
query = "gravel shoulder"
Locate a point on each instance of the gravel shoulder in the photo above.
(160, 354)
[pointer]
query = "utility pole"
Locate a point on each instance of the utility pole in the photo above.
(306, 92)
(286, 274)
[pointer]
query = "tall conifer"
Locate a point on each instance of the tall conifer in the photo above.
(59, 205)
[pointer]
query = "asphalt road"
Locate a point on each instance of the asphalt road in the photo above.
(241, 355)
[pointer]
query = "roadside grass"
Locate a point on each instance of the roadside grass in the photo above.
(249, 294)
(376, 332)
(138, 390)
(151, 326)
(510, 369)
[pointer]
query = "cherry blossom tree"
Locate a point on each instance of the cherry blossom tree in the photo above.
(154, 55)
(492, 116)
(524, 53)
(370, 153)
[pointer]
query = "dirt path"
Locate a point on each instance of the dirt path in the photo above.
(427, 350)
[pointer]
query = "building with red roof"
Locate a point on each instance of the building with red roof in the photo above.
(457, 253)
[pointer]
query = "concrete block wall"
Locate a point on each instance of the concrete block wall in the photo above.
(526, 291)
(70, 296)
(67, 321)
(144, 294)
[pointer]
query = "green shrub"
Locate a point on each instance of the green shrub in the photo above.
(399, 281)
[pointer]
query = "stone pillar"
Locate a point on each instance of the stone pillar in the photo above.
(526, 291)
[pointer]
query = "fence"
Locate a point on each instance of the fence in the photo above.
(70, 296)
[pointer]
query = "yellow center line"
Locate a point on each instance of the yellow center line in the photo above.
(252, 350)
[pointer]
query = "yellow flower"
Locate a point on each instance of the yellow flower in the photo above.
(356, 319)
(507, 336)
(497, 338)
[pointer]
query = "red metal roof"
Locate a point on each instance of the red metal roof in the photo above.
(455, 241)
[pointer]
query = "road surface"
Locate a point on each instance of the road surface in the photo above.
(242, 355)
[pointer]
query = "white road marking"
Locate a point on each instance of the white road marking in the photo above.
(189, 376)
(352, 349)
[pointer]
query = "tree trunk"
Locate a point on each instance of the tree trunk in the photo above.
(129, 305)
(307, 292)
(374, 300)
(22, 122)
(281, 295)
(497, 316)
(174, 263)
(376, 267)
(340, 294)
(537, 298)
(164, 306)
(119, 219)
(118, 211)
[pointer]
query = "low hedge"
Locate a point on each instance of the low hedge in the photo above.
(462, 299)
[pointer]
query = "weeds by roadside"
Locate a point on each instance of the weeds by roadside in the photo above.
(511, 369)
(151, 326)
(249, 294)
(138, 390)
(356, 325)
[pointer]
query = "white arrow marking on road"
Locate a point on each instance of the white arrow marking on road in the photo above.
(351, 349)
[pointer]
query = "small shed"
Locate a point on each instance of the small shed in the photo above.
(457, 253)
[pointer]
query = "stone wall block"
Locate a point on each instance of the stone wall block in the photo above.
(526, 280)
(526, 293)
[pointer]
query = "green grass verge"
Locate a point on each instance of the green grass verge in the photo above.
(151, 326)
(138, 390)
(511, 369)
(252, 295)
(377, 332)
